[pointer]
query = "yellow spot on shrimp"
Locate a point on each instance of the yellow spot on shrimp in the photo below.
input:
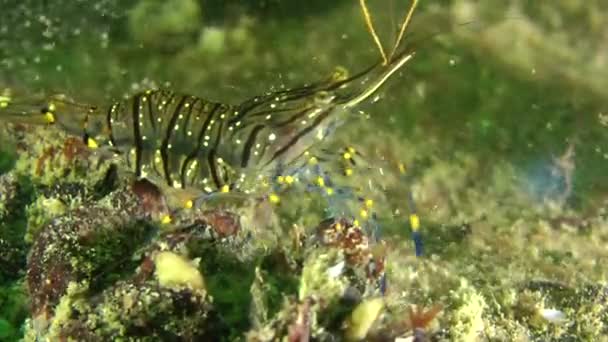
(49, 117)
(320, 181)
(414, 222)
(274, 198)
(225, 188)
(348, 172)
(401, 168)
(188, 204)
(369, 203)
(363, 213)
(166, 219)
(289, 180)
(91, 143)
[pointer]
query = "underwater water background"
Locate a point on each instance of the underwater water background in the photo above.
(502, 115)
(518, 81)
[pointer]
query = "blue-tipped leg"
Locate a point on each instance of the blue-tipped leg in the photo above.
(418, 246)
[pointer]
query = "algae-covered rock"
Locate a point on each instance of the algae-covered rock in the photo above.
(81, 246)
(40, 212)
(76, 268)
(105, 266)
(132, 311)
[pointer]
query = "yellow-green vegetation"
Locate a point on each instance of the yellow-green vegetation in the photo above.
(173, 270)
(63, 312)
(39, 212)
(317, 281)
(362, 318)
(469, 323)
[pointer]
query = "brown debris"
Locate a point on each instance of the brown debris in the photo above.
(151, 198)
(299, 331)
(342, 233)
(223, 222)
(74, 148)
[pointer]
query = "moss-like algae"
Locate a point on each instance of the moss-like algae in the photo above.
(267, 281)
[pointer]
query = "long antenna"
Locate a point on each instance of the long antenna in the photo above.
(370, 26)
(372, 31)
(404, 25)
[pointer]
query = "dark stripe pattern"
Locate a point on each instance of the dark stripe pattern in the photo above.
(137, 140)
(189, 142)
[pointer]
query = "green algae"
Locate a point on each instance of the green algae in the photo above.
(6, 160)
(13, 301)
(228, 281)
